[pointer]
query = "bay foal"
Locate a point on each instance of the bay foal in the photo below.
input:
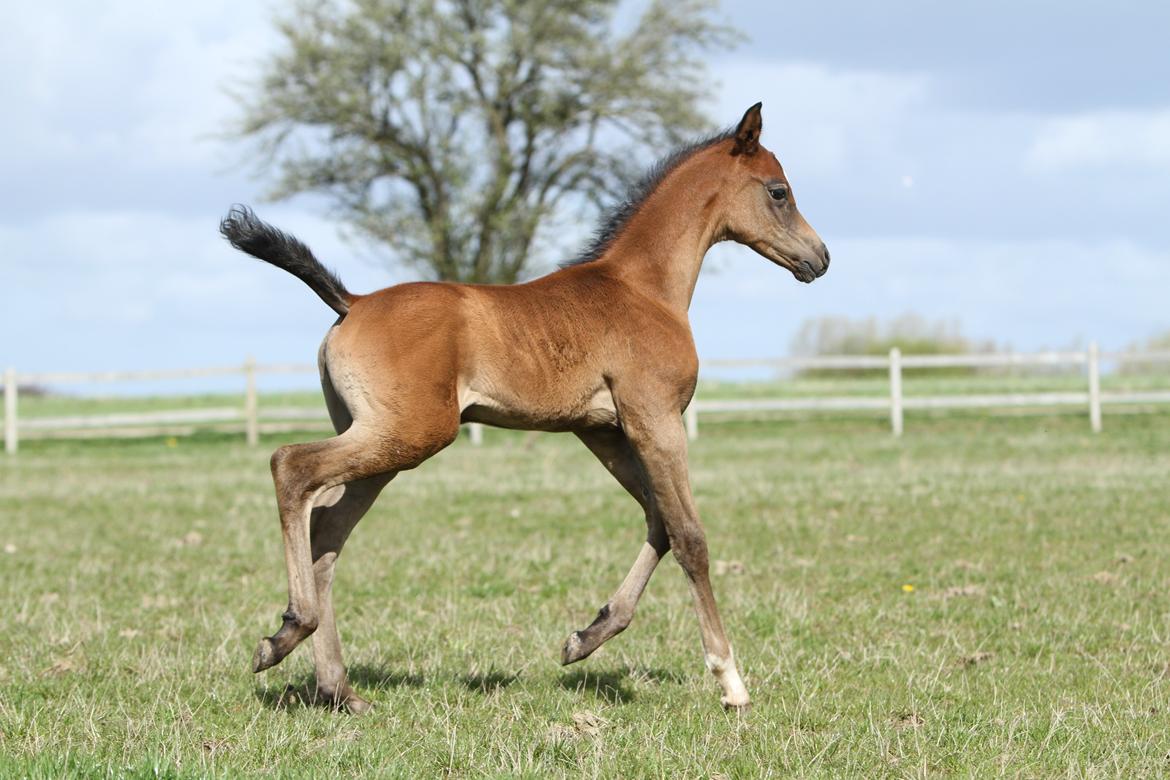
(601, 347)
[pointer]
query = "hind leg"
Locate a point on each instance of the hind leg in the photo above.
(337, 511)
(334, 516)
(302, 472)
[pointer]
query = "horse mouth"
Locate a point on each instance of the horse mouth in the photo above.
(804, 272)
(804, 269)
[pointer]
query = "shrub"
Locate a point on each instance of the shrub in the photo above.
(1156, 343)
(912, 334)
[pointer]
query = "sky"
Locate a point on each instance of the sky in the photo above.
(1003, 166)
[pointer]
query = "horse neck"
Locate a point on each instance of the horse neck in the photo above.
(660, 250)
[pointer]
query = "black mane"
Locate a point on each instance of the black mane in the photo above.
(614, 221)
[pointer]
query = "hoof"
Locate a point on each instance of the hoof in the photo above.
(356, 705)
(573, 650)
(741, 710)
(344, 701)
(265, 656)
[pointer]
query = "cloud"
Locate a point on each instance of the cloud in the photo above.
(819, 115)
(851, 138)
(1104, 138)
(1043, 56)
(120, 99)
(1028, 294)
(128, 289)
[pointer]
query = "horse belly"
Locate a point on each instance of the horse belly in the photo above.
(546, 411)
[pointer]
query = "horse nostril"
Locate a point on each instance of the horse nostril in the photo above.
(825, 252)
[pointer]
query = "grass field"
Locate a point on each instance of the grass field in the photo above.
(987, 596)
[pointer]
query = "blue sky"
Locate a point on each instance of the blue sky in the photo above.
(1003, 165)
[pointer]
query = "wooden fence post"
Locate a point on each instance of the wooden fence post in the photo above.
(251, 421)
(896, 390)
(1093, 359)
(691, 418)
(475, 432)
(10, 435)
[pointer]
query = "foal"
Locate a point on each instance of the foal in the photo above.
(601, 347)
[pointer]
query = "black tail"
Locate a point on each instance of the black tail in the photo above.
(248, 234)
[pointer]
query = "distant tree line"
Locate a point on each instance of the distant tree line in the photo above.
(1157, 343)
(869, 336)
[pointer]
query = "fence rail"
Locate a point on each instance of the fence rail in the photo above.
(1092, 399)
(895, 403)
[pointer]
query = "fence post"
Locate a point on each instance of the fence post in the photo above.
(475, 431)
(1093, 359)
(896, 390)
(691, 418)
(251, 421)
(10, 436)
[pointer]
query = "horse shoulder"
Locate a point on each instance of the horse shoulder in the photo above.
(654, 353)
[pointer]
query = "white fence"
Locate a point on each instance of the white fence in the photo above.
(156, 422)
(895, 403)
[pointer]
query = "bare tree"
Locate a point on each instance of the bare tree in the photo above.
(452, 131)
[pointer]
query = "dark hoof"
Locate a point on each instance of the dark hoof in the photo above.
(740, 710)
(265, 656)
(574, 650)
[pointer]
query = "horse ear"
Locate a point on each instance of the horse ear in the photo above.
(747, 134)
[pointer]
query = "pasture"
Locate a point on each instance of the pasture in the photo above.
(989, 595)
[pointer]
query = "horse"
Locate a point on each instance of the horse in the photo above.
(601, 347)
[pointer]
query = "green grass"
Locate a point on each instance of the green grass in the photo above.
(137, 577)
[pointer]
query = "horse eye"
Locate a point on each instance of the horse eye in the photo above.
(778, 193)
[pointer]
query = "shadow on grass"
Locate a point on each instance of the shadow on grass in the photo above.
(489, 682)
(302, 691)
(378, 677)
(611, 686)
